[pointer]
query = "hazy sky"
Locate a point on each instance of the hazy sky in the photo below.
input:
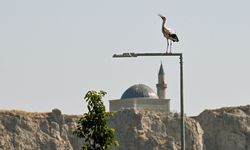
(53, 51)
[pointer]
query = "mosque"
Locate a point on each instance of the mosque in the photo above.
(142, 97)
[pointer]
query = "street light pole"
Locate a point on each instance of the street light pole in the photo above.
(182, 122)
(182, 105)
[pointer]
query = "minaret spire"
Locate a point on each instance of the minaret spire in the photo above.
(162, 85)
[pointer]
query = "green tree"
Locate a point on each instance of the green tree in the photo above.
(93, 126)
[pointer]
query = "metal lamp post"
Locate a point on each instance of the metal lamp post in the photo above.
(182, 123)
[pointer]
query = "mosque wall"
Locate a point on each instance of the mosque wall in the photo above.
(146, 104)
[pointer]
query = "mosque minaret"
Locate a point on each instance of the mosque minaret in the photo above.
(161, 86)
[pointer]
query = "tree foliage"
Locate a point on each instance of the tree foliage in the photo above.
(93, 125)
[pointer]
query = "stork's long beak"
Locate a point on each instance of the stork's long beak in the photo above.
(161, 16)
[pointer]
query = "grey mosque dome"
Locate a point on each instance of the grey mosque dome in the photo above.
(139, 91)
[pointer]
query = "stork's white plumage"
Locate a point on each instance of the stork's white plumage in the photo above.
(169, 34)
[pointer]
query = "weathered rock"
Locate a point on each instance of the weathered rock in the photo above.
(221, 129)
(135, 131)
(37, 131)
(141, 130)
(226, 128)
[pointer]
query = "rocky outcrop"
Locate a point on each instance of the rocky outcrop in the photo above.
(21, 130)
(144, 130)
(226, 128)
(134, 130)
(220, 129)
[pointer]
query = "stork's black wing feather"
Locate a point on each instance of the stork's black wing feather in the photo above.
(174, 37)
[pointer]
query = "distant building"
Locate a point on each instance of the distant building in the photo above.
(142, 97)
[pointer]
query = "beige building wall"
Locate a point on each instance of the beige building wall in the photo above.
(158, 105)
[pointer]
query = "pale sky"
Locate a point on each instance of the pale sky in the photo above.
(53, 51)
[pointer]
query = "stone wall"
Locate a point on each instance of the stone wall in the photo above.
(141, 104)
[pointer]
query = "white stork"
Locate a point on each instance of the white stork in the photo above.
(169, 34)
